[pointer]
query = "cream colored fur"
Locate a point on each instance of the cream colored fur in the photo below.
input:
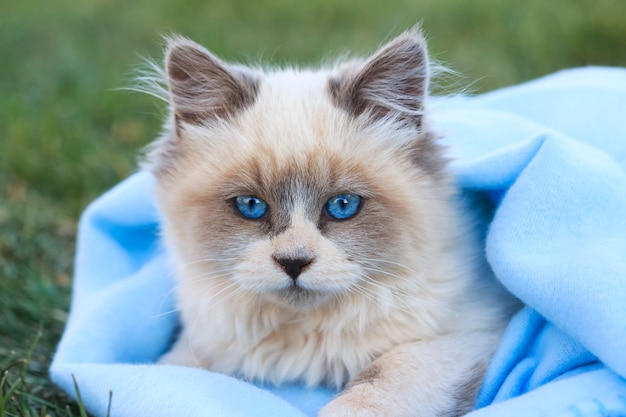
(397, 303)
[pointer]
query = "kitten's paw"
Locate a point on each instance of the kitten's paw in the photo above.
(359, 401)
(171, 358)
(181, 356)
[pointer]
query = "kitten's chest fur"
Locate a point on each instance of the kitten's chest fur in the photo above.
(266, 343)
(314, 350)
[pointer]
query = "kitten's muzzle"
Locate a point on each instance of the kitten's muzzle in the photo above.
(293, 266)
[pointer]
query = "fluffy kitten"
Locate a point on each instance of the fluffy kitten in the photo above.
(316, 233)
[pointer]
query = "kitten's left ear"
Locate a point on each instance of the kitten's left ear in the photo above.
(394, 81)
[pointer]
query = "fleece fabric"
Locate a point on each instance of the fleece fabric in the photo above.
(551, 156)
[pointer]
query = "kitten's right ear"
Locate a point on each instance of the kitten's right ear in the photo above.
(203, 88)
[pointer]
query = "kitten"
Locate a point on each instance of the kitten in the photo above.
(317, 236)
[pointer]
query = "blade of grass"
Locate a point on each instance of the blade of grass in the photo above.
(79, 399)
(110, 401)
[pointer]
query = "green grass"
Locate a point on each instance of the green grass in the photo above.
(67, 132)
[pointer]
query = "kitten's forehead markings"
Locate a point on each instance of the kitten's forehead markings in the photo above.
(295, 202)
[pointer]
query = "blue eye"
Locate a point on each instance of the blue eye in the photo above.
(343, 206)
(250, 207)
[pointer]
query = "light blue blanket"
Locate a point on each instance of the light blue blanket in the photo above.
(550, 153)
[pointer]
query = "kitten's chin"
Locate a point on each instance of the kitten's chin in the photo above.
(298, 297)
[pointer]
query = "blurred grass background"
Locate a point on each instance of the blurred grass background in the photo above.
(67, 133)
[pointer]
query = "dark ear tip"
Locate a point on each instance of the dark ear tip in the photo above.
(412, 39)
(416, 33)
(174, 45)
(182, 54)
(175, 42)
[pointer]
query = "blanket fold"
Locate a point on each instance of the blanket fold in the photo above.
(551, 156)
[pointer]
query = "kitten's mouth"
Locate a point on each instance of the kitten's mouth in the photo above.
(297, 296)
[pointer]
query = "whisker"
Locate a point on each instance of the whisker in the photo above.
(189, 338)
(391, 274)
(382, 271)
(400, 296)
(197, 261)
(198, 278)
(380, 260)
(208, 275)
(210, 298)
